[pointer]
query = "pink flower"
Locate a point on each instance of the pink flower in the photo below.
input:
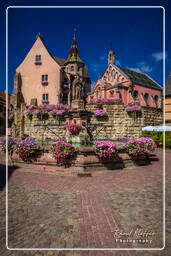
(100, 112)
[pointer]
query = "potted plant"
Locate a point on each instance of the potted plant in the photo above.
(27, 149)
(106, 150)
(139, 149)
(63, 152)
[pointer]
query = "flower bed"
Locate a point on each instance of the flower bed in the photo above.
(105, 101)
(62, 151)
(74, 129)
(105, 149)
(27, 149)
(100, 113)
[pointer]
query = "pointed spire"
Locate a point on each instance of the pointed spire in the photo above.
(74, 35)
(111, 55)
(39, 36)
(74, 55)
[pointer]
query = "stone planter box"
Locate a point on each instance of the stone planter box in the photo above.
(87, 160)
(140, 160)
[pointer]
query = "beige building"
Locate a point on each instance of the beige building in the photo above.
(168, 100)
(42, 78)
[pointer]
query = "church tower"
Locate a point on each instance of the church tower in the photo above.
(111, 57)
(74, 64)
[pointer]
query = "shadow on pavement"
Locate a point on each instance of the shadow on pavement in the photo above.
(11, 169)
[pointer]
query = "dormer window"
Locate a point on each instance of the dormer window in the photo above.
(44, 79)
(38, 60)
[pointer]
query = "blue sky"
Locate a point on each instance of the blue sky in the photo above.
(136, 36)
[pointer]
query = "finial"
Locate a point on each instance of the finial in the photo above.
(40, 36)
(74, 35)
(110, 45)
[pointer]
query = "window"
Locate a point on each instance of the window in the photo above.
(38, 60)
(44, 79)
(45, 98)
(146, 98)
(156, 99)
(111, 94)
(134, 95)
(72, 68)
(65, 96)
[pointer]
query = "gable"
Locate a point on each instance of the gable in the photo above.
(38, 48)
(114, 76)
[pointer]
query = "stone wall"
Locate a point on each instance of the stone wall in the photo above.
(122, 124)
(117, 123)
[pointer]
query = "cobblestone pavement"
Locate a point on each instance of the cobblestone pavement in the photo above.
(46, 209)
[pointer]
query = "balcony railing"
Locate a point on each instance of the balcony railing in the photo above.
(44, 82)
(45, 101)
(38, 62)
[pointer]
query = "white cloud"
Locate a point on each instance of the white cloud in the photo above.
(141, 67)
(118, 63)
(102, 58)
(158, 56)
(135, 69)
(144, 67)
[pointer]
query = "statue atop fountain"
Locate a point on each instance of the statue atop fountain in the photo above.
(77, 93)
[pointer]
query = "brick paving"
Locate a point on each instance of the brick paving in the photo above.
(94, 213)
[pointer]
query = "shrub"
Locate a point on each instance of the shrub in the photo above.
(105, 149)
(62, 151)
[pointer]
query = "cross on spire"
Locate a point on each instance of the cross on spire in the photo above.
(74, 35)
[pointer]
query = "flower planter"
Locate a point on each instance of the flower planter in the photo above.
(140, 160)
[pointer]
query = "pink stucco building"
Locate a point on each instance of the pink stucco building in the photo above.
(43, 78)
(126, 84)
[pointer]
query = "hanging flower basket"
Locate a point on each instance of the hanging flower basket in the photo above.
(58, 114)
(134, 109)
(74, 129)
(100, 113)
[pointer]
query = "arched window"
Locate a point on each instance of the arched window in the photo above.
(135, 95)
(156, 100)
(98, 93)
(111, 94)
(146, 98)
(72, 68)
